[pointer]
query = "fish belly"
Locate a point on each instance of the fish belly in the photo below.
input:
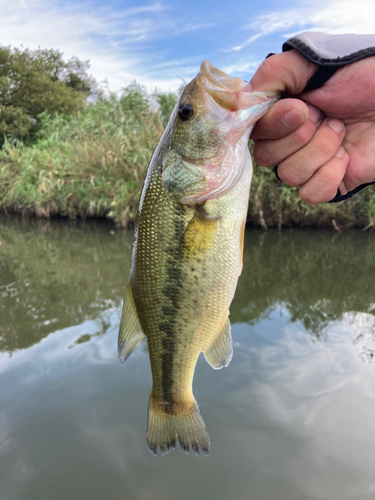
(186, 263)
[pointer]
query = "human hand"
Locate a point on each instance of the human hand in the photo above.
(322, 139)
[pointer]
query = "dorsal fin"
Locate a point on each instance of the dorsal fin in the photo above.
(219, 353)
(131, 331)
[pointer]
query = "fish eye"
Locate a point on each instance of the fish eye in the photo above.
(186, 111)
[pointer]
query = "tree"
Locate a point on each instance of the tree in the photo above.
(35, 81)
(167, 102)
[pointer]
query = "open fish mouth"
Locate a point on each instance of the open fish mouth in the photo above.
(228, 90)
(199, 164)
(218, 78)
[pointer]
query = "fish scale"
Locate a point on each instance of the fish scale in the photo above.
(187, 252)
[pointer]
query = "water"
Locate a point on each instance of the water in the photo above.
(292, 417)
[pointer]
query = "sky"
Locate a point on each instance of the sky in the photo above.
(161, 43)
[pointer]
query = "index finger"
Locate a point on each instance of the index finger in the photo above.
(283, 117)
(288, 72)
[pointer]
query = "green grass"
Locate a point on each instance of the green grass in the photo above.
(93, 165)
(90, 165)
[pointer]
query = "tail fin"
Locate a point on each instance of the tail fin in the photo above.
(163, 427)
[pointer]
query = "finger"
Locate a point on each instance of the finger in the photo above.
(284, 116)
(272, 152)
(323, 185)
(343, 189)
(299, 167)
(287, 72)
(361, 150)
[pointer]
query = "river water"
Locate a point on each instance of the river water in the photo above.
(292, 417)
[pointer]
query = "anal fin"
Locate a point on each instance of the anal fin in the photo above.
(219, 353)
(131, 331)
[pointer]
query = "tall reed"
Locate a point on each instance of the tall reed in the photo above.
(93, 165)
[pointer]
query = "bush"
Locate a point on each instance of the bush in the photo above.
(92, 164)
(33, 82)
(88, 165)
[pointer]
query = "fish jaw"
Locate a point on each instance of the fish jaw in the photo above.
(206, 157)
(231, 93)
(191, 182)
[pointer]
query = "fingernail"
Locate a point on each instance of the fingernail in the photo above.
(336, 125)
(293, 118)
(340, 153)
(315, 114)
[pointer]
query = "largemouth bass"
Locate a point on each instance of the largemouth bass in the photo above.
(187, 251)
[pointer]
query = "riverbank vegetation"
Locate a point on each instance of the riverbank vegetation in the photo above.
(85, 154)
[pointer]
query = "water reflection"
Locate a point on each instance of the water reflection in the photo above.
(54, 275)
(291, 417)
(317, 275)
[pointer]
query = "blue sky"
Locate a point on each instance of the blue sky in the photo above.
(161, 43)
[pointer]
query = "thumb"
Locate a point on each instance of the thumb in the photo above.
(288, 72)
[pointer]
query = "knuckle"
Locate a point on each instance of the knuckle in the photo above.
(327, 147)
(267, 68)
(331, 174)
(323, 186)
(289, 175)
(310, 195)
(262, 154)
(302, 135)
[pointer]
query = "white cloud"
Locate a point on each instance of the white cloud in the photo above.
(241, 67)
(275, 22)
(243, 45)
(123, 44)
(109, 38)
(344, 17)
(334, 17)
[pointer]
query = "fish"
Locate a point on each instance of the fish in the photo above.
(187, 249)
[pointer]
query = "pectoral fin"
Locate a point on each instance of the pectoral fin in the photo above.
(131, 332)
(219, 353)
(199, 234)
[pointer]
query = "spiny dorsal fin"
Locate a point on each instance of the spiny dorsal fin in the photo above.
(131, 332)
(220, 351)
